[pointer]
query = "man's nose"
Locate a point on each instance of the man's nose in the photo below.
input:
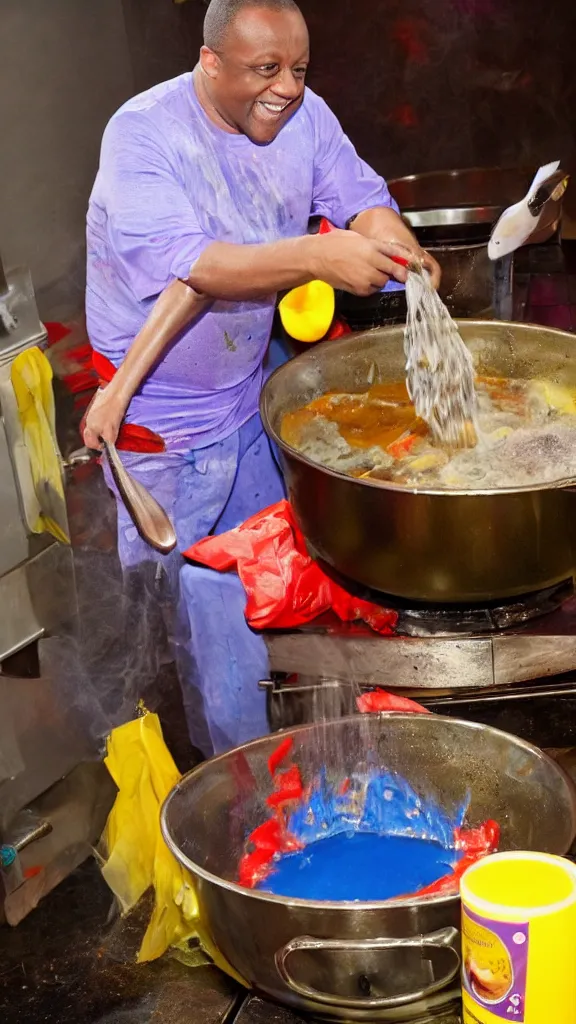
(286, 86)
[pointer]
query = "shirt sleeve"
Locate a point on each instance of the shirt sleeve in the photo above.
(344, 185)
(151, 224)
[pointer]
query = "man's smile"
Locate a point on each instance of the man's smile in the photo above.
(270, 111)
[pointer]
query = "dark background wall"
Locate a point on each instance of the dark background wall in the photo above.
(65, 68)
(433, 84)
(418, 85)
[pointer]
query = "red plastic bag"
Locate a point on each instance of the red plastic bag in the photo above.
(379, 700)
(284, 586)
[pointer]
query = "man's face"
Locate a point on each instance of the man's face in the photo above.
(256, 82)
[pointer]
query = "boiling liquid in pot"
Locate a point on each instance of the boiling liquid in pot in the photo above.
(526, 436)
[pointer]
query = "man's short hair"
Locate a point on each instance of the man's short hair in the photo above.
(221, 14)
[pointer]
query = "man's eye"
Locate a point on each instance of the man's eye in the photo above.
(300, 72)
(268, 69)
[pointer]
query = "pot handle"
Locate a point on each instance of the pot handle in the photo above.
(446, 937)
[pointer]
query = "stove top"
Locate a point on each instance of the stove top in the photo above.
(507, 664)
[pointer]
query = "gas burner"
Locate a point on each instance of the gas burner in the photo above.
(416, 619)
(430, 619)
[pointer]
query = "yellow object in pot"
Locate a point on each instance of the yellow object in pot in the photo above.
(557, 398)
(137, 856)
(518, 940)
(31, 376)
(307, 312)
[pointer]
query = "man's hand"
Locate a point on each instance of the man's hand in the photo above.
(354, 263)
(383, 222)
(103, 419)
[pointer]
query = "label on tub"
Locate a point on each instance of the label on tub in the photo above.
(494, 969)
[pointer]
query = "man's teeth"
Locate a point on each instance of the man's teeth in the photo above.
(276, 108)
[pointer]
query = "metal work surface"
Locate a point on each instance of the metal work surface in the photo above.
(545, 647)
(429, 664)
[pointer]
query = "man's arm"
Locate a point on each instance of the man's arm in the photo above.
(175, 309)
(344, 259)
(352, 261)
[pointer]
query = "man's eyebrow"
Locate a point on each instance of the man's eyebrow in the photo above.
(269, 58)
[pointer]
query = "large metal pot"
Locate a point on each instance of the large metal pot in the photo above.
(358, 961)
(428, 545)
(452, 214)
(445, 207)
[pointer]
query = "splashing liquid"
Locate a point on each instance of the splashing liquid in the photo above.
(439, 367)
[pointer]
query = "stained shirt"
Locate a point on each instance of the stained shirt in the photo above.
(170, 182)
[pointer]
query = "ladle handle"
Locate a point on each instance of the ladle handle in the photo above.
(445, 938)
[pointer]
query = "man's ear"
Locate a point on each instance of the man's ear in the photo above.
(209, 62)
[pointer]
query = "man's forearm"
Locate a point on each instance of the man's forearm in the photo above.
(244, 272)
(176, 308)
(223, 271)
(234, 273)
(384, 223)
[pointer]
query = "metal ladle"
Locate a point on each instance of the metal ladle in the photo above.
(148, 516)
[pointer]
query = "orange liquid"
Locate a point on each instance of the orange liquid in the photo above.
(384, 413)
(377, 417)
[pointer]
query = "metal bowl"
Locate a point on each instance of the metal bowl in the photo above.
(358, 961)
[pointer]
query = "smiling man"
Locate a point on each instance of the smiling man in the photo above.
(197, 219)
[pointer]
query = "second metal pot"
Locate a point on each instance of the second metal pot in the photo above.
(428, 545)
(358, 961)
(460, 206)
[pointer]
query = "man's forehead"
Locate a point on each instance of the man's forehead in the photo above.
(258, 32)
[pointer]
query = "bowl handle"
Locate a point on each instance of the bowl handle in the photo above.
(446, 937)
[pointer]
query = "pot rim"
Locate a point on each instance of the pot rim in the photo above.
(562, 483)
(345, 905)
(455, 172)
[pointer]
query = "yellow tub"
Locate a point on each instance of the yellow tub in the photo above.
(519, 940)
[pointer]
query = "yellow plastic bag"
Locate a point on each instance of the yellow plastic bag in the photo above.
(31, 376)
(138, 858)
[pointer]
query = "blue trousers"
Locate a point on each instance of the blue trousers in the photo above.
(219, 659)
